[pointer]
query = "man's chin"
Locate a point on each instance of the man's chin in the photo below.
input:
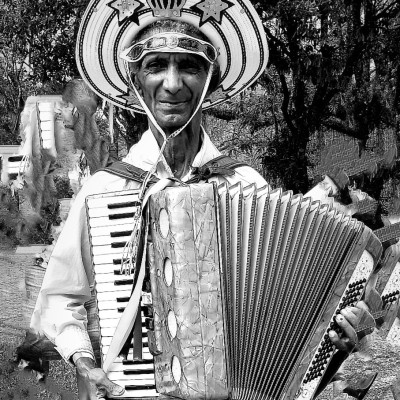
(172, 122)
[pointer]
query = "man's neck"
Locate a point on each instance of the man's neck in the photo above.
(181, 151)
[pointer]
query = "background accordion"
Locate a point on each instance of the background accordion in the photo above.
(246, 284)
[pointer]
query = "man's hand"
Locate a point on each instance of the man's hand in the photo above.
(96, 377)
(348, 320)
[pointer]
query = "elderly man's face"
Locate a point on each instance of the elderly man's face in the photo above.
(171, 85)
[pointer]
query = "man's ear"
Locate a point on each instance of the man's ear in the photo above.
(137, 84)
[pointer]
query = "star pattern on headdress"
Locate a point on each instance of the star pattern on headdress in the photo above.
(166, 9)
(130, 98)
(218, 94)
(126, 9)
(212, 9)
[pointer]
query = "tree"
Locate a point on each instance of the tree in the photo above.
(36, 54)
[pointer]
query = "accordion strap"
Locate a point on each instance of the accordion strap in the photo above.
(128, 171)
(221, 165)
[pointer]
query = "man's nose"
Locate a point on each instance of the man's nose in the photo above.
(172, 80)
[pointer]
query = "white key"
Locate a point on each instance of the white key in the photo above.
(105, 221)
(106, 268)
(139, 393)
(108, 240)
(111, 287)
(141, 366)
(106, 340)
(107, 230)
(146, 354)
(112, 296)
(111, 305)
(106, 259)
(106, 212)
(142, 379)
(111, 277)
(108, 250)
(112, 322)
(94, 202)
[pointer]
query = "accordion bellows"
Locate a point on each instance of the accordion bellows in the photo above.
(246, 284)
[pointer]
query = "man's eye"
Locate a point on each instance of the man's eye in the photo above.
(190, 66)
(156, 65)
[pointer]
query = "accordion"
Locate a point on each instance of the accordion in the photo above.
(246, 284)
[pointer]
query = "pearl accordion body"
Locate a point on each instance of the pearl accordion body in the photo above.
(110, 221)
(388, 287)
(245, 285)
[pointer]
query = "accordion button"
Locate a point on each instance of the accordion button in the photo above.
(146, 287)
(149, 323)
(148, 311)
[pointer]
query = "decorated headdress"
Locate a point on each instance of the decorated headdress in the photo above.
(108, 29)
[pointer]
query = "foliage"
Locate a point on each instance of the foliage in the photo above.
(333, 65)
(63, 187)
(36, 54)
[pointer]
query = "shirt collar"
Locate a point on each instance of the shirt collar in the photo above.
(145, 153)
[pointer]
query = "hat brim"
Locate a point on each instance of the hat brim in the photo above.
(108, 27)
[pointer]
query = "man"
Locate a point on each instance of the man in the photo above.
(198, 54)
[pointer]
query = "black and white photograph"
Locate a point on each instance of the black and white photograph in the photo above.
(200, 199)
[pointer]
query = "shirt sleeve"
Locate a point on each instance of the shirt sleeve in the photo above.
(59, 312)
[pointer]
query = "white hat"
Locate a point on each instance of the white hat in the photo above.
(108, 27)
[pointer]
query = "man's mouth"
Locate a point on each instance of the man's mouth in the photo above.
(173, 102)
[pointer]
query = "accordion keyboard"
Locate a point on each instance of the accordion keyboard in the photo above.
(388, 286)
(110, 221)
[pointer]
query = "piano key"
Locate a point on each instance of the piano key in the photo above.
(112, 304)
(107, 222)
(109, 230)
(114, 259)
(111, 287)
(139, 377)
(111, 323)
(107, 269)
(146, 352)
(111, 277)
(108, 240)
(112, 296)
(102, 250)
(110, 330)
(111, 212)
(107, 201)
(139, 393)
(131, 365)
(135, 388)
(106, 340)
(111, 314)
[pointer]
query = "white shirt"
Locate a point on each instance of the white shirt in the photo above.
(59, 311)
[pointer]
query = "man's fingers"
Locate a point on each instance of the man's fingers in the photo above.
(363, 305)
(352, 315)
(345, 344)
(115, 389)
(104, 385)
(349, 338)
